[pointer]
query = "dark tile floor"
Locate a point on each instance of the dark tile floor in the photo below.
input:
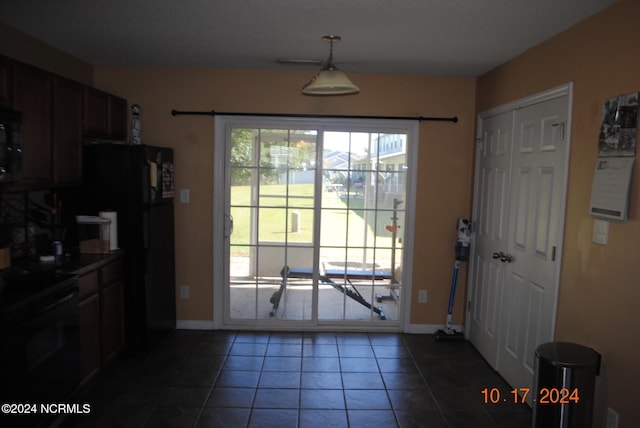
(261, 379)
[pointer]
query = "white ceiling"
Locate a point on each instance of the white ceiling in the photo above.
(428, 37)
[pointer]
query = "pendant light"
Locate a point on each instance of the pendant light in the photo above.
(330, 80)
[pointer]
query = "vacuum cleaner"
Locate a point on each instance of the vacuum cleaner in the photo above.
(461, 254)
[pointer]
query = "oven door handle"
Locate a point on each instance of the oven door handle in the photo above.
(57, 302)
(38, 308)
(60, 301)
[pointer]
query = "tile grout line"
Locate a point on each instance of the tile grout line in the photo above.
(386, 389)
(425, 382)
(213, 384)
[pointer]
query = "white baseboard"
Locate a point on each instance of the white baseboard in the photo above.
(194, 325)
(412, 328)
(428, 328)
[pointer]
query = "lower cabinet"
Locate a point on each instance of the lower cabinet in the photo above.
(101, 317)
(89, 340)
(111, 332)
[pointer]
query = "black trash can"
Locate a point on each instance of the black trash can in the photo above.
(565, 380)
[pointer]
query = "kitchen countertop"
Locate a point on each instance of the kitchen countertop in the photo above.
(83, 263)
(72, 264)
(27, 280)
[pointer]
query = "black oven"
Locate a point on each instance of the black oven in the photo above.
(40, 344)
(10, 145)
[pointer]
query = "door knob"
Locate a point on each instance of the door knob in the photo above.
(503, 257)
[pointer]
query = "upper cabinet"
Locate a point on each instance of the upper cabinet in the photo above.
(117, 118)
(67, 131)
(32, 97)
(5, 83)
(96, 112)
(105, 115)
(57, 113)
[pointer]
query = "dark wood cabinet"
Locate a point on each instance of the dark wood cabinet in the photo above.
(5, 83)
(90, 341)
(96, 105)
(117, 118)
(67, 132)
(105, 115)
(32, 96)
(89, 308)
(111, 311)
(57, 113)
(101, 308)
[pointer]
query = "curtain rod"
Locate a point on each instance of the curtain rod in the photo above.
(453, 119)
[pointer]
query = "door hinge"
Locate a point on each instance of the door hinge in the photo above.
(553, 254)
(469, 306)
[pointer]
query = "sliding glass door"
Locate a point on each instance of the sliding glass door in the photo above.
(271, 201)
(314, 222)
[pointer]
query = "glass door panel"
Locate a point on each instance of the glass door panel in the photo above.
(272, 193)
(361, 216)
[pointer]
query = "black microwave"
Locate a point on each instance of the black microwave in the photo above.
(10, 145)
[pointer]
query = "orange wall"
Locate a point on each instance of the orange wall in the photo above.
(599, 285)
(445, 156)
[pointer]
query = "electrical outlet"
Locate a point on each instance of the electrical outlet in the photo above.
(184, 291)
(612, 418)
(422, 296)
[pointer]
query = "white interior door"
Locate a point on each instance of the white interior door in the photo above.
(493, 159)
(535, 229)
(519, 208)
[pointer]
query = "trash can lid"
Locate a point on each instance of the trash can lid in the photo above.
(566, 354)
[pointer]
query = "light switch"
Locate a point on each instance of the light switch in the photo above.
(184, 291)
(601, 232)
(184, 196)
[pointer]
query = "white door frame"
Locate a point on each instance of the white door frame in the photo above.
(566, 89)
(221, 222)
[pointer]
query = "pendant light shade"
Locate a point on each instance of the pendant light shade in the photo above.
(330, 80)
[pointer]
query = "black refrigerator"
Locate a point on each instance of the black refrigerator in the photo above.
(137, 182)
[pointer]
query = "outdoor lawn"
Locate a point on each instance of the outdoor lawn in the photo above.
(346, 223)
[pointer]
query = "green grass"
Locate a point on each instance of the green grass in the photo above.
(342, 225)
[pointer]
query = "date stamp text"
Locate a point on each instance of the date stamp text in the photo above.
(550, 396)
